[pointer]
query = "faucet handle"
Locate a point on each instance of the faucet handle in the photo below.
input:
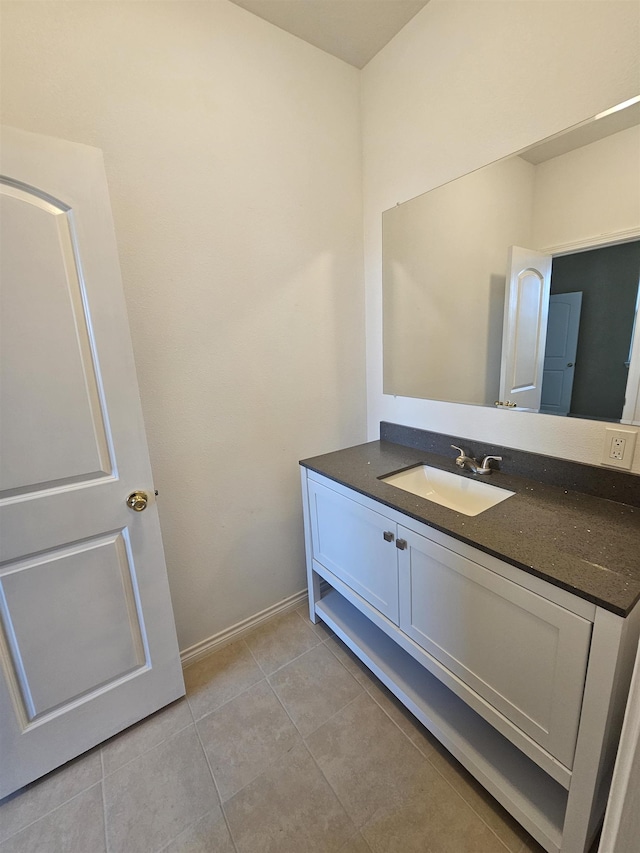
(485, 467)
(461, 455)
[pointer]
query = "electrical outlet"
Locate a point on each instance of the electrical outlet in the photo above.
(617, 448)
(619, 445)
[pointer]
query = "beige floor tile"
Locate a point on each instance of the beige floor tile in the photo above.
(289, 809)
(77, 825)
(313, 688)
(483, 804)
(245, 736)
(431, 817)
(392, 706)
(41, 797)
(220, 677)
(357, 844)
(368, 761)
(280, 640)
(360, 672)
(403, 718)
(323, 631)
(209, 835)
(146, 734)
(155, 797)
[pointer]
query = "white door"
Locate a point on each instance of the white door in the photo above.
(525, 328)
(87, 638)
(560, 352)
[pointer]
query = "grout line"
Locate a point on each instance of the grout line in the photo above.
(311, 625)
(193, 719)
(104, 804)
(297, 657)
(49, 813)
(318, 642)
(231, 699)
(293, 723)
(255, 659)
(265, 677)
(281, 703)
(217, 790)
(331, 788)
(293, 660)
(469, 806)
(300, 740)
(105, 775)
(339, 711)
(384, 711)
(400, 729)
(425, 756)
(335, 713)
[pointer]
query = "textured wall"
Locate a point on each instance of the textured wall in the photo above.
(463, 84)
(233, 157)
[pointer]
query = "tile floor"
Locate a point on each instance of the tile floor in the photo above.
(284, 744)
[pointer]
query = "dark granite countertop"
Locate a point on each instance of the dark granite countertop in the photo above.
(583, 543)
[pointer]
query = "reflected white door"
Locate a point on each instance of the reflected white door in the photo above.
(560, 352)
(525, 327)
(87, 638)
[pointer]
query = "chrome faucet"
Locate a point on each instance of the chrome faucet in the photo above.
(464, 461)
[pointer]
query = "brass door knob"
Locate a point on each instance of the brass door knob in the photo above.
(138, 501)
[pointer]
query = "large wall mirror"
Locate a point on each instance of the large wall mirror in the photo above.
(573, 198)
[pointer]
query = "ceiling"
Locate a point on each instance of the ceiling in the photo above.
(353, 30)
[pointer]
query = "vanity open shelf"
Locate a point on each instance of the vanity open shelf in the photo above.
(537, 802)
(524, 682)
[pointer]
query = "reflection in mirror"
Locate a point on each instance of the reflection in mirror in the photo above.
(574, 197)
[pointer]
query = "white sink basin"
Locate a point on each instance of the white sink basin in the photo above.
(462, 494)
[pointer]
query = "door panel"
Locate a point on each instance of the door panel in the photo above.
(483, 628)
(84, 591)
(46, 366)
(525, 327)
(87, 638)
(560, 352)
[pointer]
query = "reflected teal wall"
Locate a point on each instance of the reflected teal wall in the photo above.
(608, 279)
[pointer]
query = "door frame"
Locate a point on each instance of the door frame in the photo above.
(631, 410)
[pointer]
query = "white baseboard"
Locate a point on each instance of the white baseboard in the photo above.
(235, 632)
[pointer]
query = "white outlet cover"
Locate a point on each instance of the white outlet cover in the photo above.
(629, 436)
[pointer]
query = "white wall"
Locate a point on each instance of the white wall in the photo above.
(233, 157)
(444, 258)
(463, 84)
(589, 192)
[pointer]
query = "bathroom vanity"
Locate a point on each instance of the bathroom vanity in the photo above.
(510, 634)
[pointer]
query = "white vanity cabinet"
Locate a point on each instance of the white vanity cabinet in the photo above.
(525, 655)
(525, 683)
(355, 544)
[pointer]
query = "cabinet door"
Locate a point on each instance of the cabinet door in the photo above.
(524, 655)
(349, 541)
